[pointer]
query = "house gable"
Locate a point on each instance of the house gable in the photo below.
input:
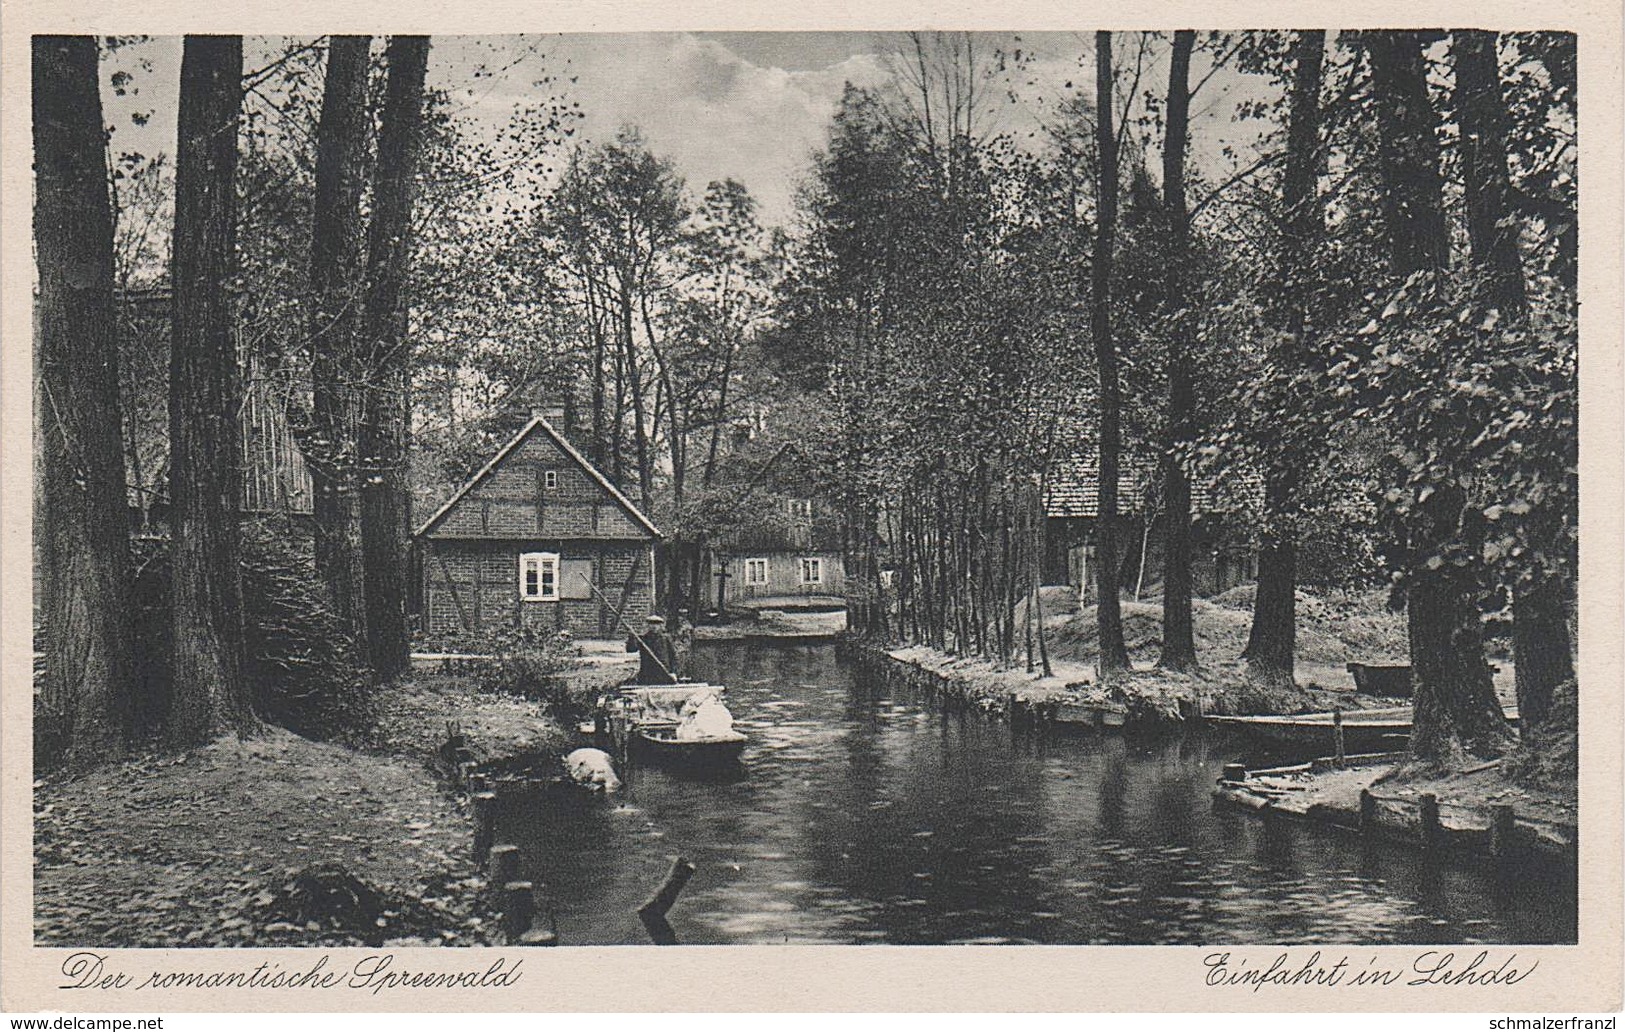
(538, 487)
(1072, 489)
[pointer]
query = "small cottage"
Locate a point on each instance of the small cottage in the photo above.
(786, 552)
(538, 538)
(1223, 545)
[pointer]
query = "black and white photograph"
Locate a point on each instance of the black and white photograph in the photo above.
(852, 488)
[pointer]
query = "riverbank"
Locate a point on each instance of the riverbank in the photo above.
(282, 841)
(1143, 697)
(1332, 632)
(1479, 812)
(1486, 812)
(413, 715)
(776, 625)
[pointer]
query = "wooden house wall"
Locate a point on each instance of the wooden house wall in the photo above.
(783, 576)
(471, 588)
(1223, 556)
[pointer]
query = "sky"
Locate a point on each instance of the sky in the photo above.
(754, 106)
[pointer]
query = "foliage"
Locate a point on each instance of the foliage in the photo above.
(1474, 402)
(300, 663)
(526, 662)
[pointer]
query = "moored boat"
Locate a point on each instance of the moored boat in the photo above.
(1363, 730)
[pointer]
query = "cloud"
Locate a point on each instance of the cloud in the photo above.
(715, 114)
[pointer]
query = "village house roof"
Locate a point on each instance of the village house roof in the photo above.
(1072, 489)
(539, 425)
(274, 479)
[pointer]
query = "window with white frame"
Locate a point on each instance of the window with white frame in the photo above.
(550, 479)
(539, 576)
(755, 571)
(812, 571)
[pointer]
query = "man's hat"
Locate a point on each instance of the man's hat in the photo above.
(656, 619)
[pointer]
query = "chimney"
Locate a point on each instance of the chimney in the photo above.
(554, 414)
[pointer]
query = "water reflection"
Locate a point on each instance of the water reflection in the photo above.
(864, 817)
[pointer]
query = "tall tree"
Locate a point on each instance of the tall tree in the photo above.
(1540, 628)
(85, 550)
(1456, 706)
(1109, 615)
(210, 691)
(1271, 641)
(1178, 634)
(386, 404)
(336, 289)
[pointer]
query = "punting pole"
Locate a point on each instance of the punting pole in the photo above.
(622, 621)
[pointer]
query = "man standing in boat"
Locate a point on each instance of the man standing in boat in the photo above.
(657, 657)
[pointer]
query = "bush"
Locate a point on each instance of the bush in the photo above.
(299, 659)
(526, 662)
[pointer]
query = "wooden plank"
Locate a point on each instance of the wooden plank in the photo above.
(626, 588)
(598, 578)
(541, 499)
(462, 614)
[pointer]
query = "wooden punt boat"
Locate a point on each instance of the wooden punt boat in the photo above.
(644, 718)
(1371, 730)
(661, 744)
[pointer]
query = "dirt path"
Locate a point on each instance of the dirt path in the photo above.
(203, 848)
(200, 849)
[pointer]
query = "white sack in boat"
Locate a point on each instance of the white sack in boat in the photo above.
(705, 718)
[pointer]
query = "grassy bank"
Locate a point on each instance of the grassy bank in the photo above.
(279, 840)
(1332, 631)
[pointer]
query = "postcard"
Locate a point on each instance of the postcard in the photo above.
(688, 507)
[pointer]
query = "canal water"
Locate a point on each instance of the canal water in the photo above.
(861, 816)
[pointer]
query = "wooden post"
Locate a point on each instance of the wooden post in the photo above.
(484, 824)
(465, 774)
(1337, 734)
(1368, 813)
(518, 909)
(1429, 808)
(504, 866)
(1503, 828)
(653, 913)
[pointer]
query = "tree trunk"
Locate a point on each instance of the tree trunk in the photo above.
(1456, 711)
(205, 390)
(1108, 610)
(386, 425)
(1455, 696)
(1540, 627)
(1408, 153)
(1178, 636)
(337, 288)
(1492, 227)
(722, 412)
(1271, 641)
(89, 683)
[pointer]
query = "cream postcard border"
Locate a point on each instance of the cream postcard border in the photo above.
(1586, 977)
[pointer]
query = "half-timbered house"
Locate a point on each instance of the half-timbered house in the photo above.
(538, 538)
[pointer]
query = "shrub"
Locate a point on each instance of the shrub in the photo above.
(299, 658)
(527, 661)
